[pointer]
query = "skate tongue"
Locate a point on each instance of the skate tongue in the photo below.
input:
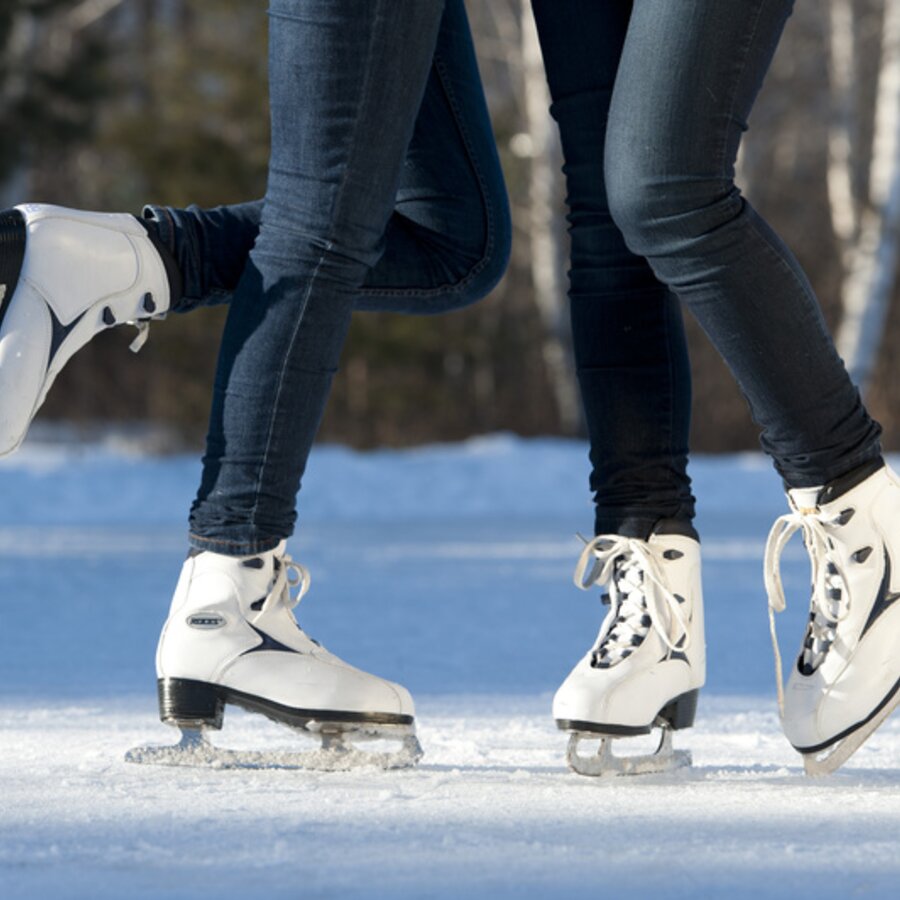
(804, 498)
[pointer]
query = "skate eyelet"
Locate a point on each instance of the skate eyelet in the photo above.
(845, 516)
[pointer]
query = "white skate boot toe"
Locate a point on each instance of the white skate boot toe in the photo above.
(629, 702)
(65, 276)
(824, 708)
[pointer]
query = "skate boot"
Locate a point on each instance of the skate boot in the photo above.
(648, 663)
(66, 275)
(231, 638)
(845, 681)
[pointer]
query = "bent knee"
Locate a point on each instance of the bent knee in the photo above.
(666, 214)
(470, 272)
(483, 275)
(493, 261)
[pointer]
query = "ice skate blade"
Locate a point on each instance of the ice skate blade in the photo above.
(605, 764)
(829, 760)
(334, 755)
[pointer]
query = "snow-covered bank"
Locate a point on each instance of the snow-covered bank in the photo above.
(489, 476)
(448, 568)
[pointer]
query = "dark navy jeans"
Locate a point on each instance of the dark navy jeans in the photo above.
(384, 193)
(652, 98)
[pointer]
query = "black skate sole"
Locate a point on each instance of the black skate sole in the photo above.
(677, 714)
(12, 254)
(183, 701)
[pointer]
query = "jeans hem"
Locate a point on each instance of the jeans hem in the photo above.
(793, 480)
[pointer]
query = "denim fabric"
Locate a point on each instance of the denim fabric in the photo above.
(652, 98)
(384, 193)
(447, 240)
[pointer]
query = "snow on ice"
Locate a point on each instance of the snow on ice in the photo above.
(447, 568)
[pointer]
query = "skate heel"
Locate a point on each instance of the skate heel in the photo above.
(190, 704)
(679, 713)
(12, 253)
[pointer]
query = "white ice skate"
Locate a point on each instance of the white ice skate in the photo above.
(231, 638)
(65, 276)
(649, 660)
(846, 679)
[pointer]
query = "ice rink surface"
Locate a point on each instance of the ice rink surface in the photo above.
(449, 569)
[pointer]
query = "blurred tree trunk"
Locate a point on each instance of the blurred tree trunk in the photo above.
(18, 54)
(843, 135)
(47, 82)
(868, 227)
(89, 11)
(545, 225)
(541, 222)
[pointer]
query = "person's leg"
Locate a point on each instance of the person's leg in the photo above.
(630, 352)
(673, 136)
(335, 178)
(346, 82)
(647, 662)
(447, 241)
(687, 80)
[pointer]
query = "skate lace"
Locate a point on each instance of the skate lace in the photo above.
(143, 334)
(830, 600)
(631, 570)
(292, 581)
(143, 331)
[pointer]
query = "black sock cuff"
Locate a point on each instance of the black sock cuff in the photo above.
(173, 273)
(849, 480)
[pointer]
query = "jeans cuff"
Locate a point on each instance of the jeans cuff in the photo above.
(226, 547)
(869, 460)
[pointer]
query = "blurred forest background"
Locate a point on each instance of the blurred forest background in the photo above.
(108, 104)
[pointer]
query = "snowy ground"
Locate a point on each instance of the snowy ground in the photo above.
(448, 568)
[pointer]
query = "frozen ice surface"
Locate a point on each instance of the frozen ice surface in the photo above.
(448, 568)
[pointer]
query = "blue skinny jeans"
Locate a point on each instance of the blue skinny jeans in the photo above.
(384, 193)
(652, 98)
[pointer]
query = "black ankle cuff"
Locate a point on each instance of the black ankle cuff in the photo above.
(173, 273)
(849, 480)
(676, 526)
(643, 528)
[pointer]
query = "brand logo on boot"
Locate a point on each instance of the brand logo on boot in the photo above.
(206, 621)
